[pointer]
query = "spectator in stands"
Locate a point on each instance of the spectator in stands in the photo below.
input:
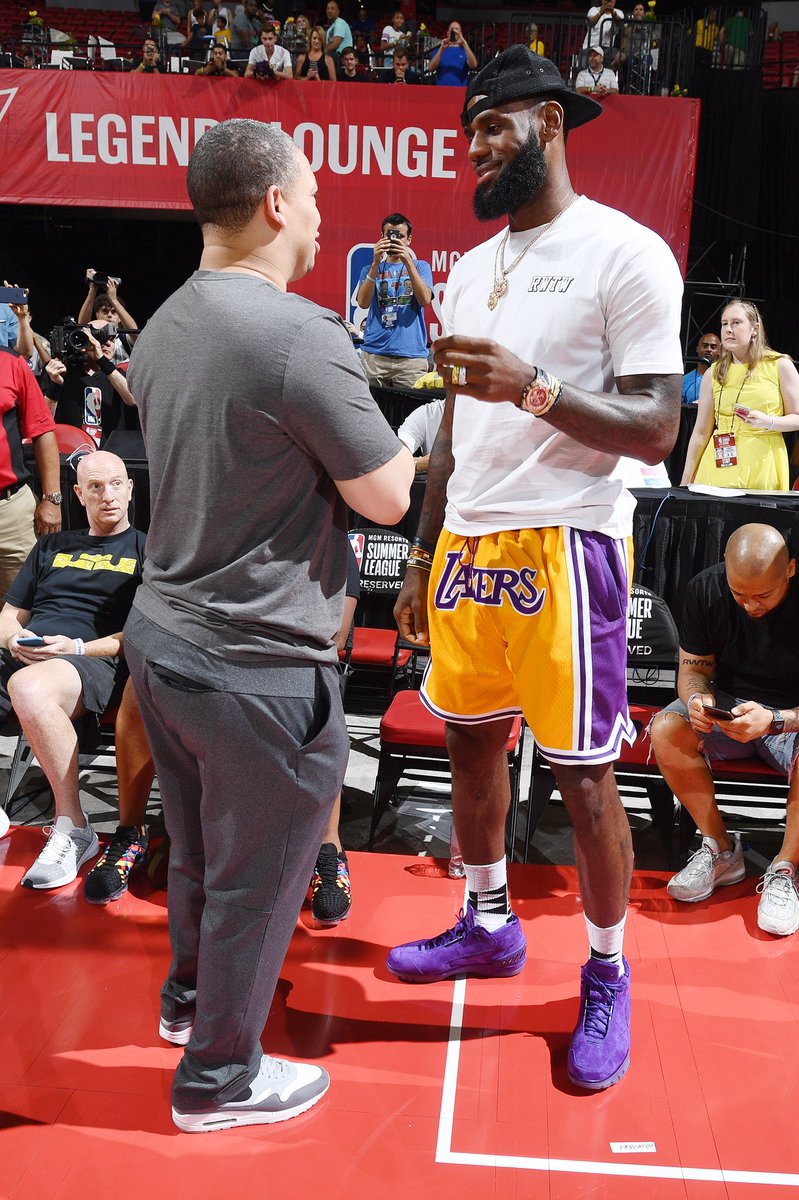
(316, 64)
(199, 24)
(597, 80)
(29, 62)
(246, 29)
(747, 400)
(363, 23)
(734, 38)
(402, 71)
(104, 304)
(88, 391)
(418, 432)
(605, 23)
(220, 19)
(350, 72)
(738, 653)
(74, 592)
(269, 62)
(167, 17)
(149, 62)
(218, 63)
(707, 36)
(24, 414)
(535, 43)
(339, 35)
(222, 31)
(363, 51)
(393, 34)
(395, 288)
(774, 33)
(707, 351)
(454, 59)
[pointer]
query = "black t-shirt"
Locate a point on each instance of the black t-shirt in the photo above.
(756, 659)
(88, 402)
(80, 585)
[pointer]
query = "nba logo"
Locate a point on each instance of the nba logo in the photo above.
(357, 541)
(359, 257)
(92, 413)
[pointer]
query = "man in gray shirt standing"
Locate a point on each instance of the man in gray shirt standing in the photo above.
(230, 644)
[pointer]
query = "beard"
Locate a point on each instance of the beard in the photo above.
(515, 184)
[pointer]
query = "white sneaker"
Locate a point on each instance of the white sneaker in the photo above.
(68, 848)
(279, 1091)
(5, 824)
(778, 910)
(708, 869)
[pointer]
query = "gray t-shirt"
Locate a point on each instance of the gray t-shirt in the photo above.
(252, 402)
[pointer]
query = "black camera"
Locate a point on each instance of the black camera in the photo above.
(394, 235)
(70, 341)
(101, 279)
(453, 37)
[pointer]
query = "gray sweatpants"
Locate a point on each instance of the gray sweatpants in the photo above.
(247, 784)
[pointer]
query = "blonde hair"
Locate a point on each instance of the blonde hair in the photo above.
(317, 29)
(759, 348)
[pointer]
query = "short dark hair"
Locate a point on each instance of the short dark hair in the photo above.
(397, 219)
(232, 168)
(269, 28)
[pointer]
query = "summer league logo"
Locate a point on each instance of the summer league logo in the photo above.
(490, 586)
(381, 559)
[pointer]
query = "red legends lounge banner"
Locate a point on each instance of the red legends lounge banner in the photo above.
(123, 141)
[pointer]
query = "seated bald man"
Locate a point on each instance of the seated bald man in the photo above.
(60, 630)
(739, 652)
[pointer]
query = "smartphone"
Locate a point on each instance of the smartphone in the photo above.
(30, 641)
(741, 410)
(13, 295)
(718, 714)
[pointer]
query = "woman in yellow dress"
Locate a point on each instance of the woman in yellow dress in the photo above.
(747, 400)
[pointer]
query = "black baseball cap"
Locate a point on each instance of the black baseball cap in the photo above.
(518, 74)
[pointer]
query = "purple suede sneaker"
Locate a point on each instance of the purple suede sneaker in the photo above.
(467, 949)
(599, 1054)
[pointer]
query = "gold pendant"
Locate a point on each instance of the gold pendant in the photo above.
(499, 290)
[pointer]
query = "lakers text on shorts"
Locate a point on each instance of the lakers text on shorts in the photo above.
(533, 620)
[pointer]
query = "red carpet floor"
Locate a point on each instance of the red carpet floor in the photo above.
(456, 1090)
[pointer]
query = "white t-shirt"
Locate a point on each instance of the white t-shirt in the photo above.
(597, 296)
(392, 36)
(606, 78)
(418, 430)
(605, 30)
(280, 60)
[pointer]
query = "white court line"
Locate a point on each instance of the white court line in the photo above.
(445, 1153)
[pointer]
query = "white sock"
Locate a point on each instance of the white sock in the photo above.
(606, 944)
(487, 886)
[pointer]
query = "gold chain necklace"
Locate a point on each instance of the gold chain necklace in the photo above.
(501, 272)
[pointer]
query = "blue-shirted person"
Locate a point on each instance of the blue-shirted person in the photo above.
(395, 288)
(9, 327)
(707, 351)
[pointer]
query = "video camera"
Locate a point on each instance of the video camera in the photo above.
(70, 341)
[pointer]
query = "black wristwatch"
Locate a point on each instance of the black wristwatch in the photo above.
(777, 721)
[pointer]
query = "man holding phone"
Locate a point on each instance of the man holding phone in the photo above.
(61, 657)
(737, 683)
(395, 288)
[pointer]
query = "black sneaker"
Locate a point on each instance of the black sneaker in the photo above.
(127, 852)
(331, 891)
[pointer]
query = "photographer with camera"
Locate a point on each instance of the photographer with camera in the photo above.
(395, 288)
(103, 304)
(85, 389)
(150, 61)
(454, 59)
(218, 64)
(269, 62)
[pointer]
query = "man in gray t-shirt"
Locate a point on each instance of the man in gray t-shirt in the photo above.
(254, 456)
